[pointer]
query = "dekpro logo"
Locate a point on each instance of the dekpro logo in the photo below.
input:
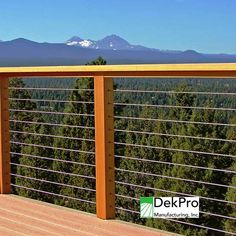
(169, 207)
(175, 202)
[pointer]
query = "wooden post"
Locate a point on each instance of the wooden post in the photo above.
(4, 137)
(104, 147)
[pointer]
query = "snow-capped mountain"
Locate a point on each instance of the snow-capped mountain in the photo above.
(77, 41)
(24, 52)
(111, 42)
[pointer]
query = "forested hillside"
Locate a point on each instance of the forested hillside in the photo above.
(171, 147)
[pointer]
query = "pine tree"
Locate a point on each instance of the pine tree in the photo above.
(33, 165)
(77, 162)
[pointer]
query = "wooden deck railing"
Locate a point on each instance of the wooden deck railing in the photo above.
(104, 127)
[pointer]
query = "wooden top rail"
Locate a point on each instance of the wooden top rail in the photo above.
(149, 70)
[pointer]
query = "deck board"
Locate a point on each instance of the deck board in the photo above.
(22, 216)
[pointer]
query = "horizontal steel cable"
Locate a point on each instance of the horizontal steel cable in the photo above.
(175, 106)
(201, 226)
(54, 194)
(175, 135)
(52, 136)
(52, 124)
(56, 148)
(51, 182)
(175, 178)
(128, 210)
(173, 121)
(53, 171)
(173, 192)
(218, 215)
(48, 100)
(127, 197)
(170, 92)
(51, 112)
(52, 159)
(181, 222)
(175, 164)
(175, 149)
(50, 89)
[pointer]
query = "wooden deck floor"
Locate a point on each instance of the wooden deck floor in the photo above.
(21, 216)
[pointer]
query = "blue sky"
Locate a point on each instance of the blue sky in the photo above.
(202, 25)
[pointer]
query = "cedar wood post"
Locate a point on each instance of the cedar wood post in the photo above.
(104, 142)
(4, 137)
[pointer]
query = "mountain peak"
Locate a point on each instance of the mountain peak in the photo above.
(22, 41)
(113, 42)
(191, 52)
(75, 38)
(113, 36)
(110, 42)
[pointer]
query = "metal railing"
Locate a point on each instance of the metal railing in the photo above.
(139, 174)
(132, 146)
(29, 167)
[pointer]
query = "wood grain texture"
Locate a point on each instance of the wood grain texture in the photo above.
(162, 70)
(4, 138)
(104, 147)
(22, 216)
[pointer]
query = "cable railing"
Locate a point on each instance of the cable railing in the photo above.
(100, 143)
(61, 169)
(168, 150)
